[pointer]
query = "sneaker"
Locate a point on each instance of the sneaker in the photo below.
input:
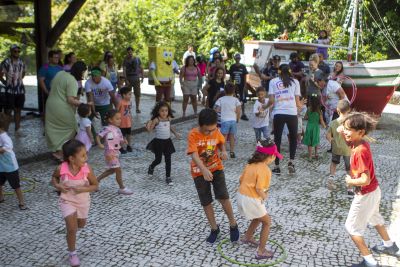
(150, 170)
(213, 236)
(234, 233)
(129, 148)
(291, 168)
(276, 170)
(392, 250)
(244, 117)
(74, 260)
(331, 182)
(329, 150)
(123, 151)
(232, 154)
(125, 191)
(364, 263)
(350, 192)
(169, 181)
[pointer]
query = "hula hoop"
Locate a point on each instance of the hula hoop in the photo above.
(353, 97)
(279, 260)
(32, 184)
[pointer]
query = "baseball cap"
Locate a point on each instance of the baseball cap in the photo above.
(276, 57)
(12, 47)
(129, 48)
(237, 55)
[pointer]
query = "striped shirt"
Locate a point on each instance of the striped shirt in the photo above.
(14, 71)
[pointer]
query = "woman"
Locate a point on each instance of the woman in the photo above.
(109, 70)
(311, 86)
(284, 96)
(213, 87)
(61, 124)
(188, 77)
(69, 60)
(337, 74)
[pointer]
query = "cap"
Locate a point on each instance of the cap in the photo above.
(271, 150)
(276, 57)
(237, 55)
(129, 48)
(293, 55)
(95, 72)
(12, 47)
(319, 75)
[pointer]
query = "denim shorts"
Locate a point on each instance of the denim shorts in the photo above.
(229, 127)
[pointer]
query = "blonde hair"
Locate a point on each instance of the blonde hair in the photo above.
(314, 57)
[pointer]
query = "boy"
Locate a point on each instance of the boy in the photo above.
(229, 106)
(9, 164)
(124, 107)
(261, 114)
(339, 146)
(207, 169)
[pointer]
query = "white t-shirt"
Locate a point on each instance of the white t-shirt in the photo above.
(330, 92)
(285, 102)
(8, 161)
(262, 119)
(228, 105)
(100, 91)
(187, 53)
(83, 123)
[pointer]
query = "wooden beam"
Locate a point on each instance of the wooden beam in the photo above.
(64, 21)
(15, 2)
(6, 24)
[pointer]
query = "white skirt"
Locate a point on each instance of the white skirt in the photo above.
(249, 207)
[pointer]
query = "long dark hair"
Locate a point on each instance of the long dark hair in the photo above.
(315, 104)
(107, 55)
(285, 75)
(258, 156)
(71, 147)
(187, 61)
(341, 70)
(156, 110)
(67, 58)
(215, 73)
(78, 69)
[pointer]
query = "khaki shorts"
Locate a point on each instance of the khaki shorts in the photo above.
(189, 87)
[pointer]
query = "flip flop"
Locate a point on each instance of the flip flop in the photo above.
(23, 207)
(268, 254)
(252, 243)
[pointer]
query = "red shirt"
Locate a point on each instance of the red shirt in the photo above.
(361, 162)
(202, 66)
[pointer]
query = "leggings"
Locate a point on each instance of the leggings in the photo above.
(167, 157)
(279, 122)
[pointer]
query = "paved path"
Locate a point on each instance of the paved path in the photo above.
(165, 226)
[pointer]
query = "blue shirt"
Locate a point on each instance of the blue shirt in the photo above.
(48, 72)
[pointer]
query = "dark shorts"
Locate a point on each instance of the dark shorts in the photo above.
(11, 177)
(204, 188)
(135, 83)
(346, 159)
(242, 94)
(126, 131)
(12, 101)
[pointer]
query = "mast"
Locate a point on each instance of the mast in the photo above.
(352, 30)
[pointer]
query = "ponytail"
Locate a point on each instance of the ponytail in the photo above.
(285, 75)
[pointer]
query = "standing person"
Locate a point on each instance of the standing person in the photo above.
(253, 192)
(284, 95)
(238, 73)
(124, 107)
(323, 39)
(160, 122)
(189, 52)
(204, 142)
(337, 74)
(85, 135)
(133, 72)
(213, 87)
(202, 65)
(229, 106)
(296, 66)
(13, 68)
(270, 71)
(215, 63)
(69, 60)
(113, 139)
(109, 69)
(311, 85)
(75, 179)
(284, 36)
(364, 209)
(189, 76)
(323, 65)
(175, 69)
(261, 115)
(301, 113)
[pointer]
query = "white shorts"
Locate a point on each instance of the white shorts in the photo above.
(364, 209)
(249, 207)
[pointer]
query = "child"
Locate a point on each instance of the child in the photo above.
(314, 115)
(323, 39)
(75, 179)
(113, 139)
(301, 113)
(339, 146)
(162, 143)
(364, 209)
(207, 169)
(85, 126)
(253, 190)
(124, 107)
(217, 108)
(261, 114)
(229, 106)
(8, 164)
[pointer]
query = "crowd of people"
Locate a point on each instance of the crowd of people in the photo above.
(286, 96)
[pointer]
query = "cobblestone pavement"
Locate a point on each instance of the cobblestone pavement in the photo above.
(165, 226)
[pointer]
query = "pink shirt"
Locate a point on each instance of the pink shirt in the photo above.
(70, 180)
(113, 138)
(191, 74)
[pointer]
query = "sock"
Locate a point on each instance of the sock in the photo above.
(72, 252)
(370, 259)
(388, 243)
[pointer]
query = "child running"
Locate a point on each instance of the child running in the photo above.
(301, 113)
(364, 209)
(162, 144)
(311, 136)
(253, 191)
(261, 114)
(75, 179)
(112, 139)
(85, 134)
(229, 106)
(204, 142)
(8, 164)
(124, 107)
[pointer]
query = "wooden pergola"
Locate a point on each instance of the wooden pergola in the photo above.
(45, 35)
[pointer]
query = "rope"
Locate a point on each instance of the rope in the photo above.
(353, 97)
(31, 182)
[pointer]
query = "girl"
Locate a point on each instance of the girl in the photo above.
(213, 87)
(216, 63)
(113, 139)
(75, 179)
(69, 60)
(254, 184)
(324, 40)
(364, 209)
(162, 143)
(189, 76)
(337, 74)
(315, 118)
(202, 65)
(85, 126)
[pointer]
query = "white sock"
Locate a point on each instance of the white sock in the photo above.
(370, 259)
(388, 243)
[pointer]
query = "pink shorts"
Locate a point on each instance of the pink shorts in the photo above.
(67, 208)
(112, 159)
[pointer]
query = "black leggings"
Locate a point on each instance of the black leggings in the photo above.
(167, 157)
(279, 122)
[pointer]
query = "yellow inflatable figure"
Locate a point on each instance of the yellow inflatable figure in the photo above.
(161, 71)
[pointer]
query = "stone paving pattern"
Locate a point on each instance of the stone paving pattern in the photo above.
(165, 226)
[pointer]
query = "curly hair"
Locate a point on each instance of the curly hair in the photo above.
(156, 110)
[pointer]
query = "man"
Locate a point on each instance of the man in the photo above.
(322, 65)
(133, 71)
(189, 52)
(270, 71)
(238, 73)
(296, 66)
(13, 68)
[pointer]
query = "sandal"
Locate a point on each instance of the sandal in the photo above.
(22, 207)
(250, 242)
(268, 254)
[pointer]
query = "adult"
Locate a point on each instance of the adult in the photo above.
(337, 74)
(270, 71)
(61, 124)
(213, 87)
(296, 66)
(13, 69)
(311, 87)
(175, 69)
(322, 65)
(189, 52)
(69, 60)
(216, 62)
(109, 70)
(284, 36)
(239, 73)
(133, 72)
(284, 96)
(189, 76)
(202, 65)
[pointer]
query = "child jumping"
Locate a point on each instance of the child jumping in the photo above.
(85, 134)
(261, 114)
(124, 107)
(8, 164)
(315, 118)
(162, 144)
(75, 179)
(253, 191)
(112, 138)
(204, 142)
(364, 209)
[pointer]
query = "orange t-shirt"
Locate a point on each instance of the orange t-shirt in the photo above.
(207, 148)
(124, 107)
(255, 175)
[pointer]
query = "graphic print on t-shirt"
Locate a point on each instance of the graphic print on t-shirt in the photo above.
(282, 94)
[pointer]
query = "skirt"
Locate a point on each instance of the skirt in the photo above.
(161, 145)
(251, 208)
